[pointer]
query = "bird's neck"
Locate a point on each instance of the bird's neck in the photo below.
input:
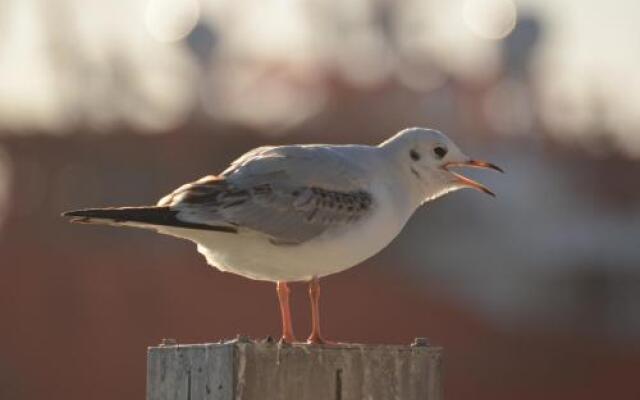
(400, 180)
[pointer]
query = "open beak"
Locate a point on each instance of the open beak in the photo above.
(470, 182)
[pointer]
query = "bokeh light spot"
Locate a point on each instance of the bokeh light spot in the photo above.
(171, 20)
(490, 19)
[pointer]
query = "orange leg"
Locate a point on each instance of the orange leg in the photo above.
(314, 295)
(287, 328)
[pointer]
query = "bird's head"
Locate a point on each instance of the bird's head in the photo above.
(427, 157)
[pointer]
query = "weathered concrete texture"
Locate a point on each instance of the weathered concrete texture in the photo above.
(265, 371)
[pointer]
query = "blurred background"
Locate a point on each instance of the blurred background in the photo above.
(534, 294)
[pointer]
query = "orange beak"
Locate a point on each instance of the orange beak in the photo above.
(469, 182)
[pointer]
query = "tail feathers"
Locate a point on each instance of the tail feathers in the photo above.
(143, 217)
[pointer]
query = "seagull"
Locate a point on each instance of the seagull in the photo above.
(301, 212)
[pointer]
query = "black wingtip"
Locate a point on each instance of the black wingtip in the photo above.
(79, 216)
(84, 213)
(151, 215)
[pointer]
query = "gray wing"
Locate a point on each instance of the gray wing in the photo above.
(290, 194)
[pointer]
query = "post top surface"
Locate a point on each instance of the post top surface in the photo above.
(419, 345)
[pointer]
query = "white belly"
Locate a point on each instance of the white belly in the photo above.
(254, 257)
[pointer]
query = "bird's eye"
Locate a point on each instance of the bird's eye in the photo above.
(415, 156)
(440, 151)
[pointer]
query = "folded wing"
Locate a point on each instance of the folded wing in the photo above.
(291, 194)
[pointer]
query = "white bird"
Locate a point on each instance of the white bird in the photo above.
(302, 212)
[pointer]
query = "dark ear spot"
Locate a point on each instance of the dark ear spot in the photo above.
(415, 156)
(440, 151)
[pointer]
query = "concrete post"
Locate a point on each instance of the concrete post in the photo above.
(247, 370)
